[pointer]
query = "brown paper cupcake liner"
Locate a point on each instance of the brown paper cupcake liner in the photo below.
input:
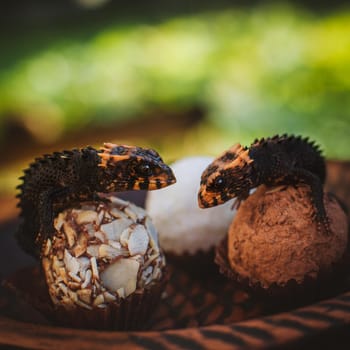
(328, 282)
(131, 313)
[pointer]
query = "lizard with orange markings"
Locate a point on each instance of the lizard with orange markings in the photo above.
(275, 161)
(58, 180)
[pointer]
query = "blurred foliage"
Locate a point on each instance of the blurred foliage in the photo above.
(255, 72)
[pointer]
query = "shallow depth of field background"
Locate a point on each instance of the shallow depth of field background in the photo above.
(184, 79)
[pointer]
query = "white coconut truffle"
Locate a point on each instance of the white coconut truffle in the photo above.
(101, 253)
(183, 227)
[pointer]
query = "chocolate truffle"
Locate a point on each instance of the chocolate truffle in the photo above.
(274, 238)
(103, 264)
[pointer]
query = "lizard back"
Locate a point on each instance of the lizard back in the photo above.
(272, 157)
(58, 180)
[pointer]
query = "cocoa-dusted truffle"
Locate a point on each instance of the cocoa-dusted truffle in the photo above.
(103, 260)
(274, 238)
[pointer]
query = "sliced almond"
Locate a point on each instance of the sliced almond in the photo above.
(106, 251)
(109, 297)
(86, 216)
(147, 275)
(72, 295)
(108, 216)
(82, 274)
(100, 217)
(87, 281)
(97, 285)
(157, 273)
(138, 240)
(67, 302)
(82, 304)
(118, 214)
(121, 292)
(147, 272)
(60, 255)
(114, 229)
(150, 259)
(115, 244)
(56, 265)
(84, 295)
(124, 237)
(72, 264)
(46, 262)
(59, 220)
(74, 285)
(153, 233)
(63, 288)
(47, 247)
(63, 275)
(70, 233)
(121, 274)
(90, 229)
(119, 202)
(92, 250)
(100, 236)
(74, 277)
(47, 268)
(84, 262)
(130, 213)
(140, 212)
(99, 300)
(81, 246)
(94, 268)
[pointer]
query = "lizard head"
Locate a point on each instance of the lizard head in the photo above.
(127, 168)
(227, 177)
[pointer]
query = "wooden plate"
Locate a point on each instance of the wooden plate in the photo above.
(200, 310)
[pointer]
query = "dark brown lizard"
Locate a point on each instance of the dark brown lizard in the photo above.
(279, 160)
(55, 181)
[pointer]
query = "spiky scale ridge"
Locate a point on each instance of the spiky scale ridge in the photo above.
(54, 181)
(278, 160)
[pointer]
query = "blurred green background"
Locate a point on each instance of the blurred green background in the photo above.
(184, 79)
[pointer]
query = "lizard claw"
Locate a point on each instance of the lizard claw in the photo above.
(323, 226)
(236, 204)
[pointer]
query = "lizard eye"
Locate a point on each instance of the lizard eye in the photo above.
(145, 170)
(219, 182)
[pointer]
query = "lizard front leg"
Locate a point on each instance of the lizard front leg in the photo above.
(239, 199)
(46, 212)
(316, 187)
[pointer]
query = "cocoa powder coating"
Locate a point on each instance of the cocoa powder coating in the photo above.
(274, 238)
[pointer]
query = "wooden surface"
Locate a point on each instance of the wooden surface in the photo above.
(281, 329)
(200, 311)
